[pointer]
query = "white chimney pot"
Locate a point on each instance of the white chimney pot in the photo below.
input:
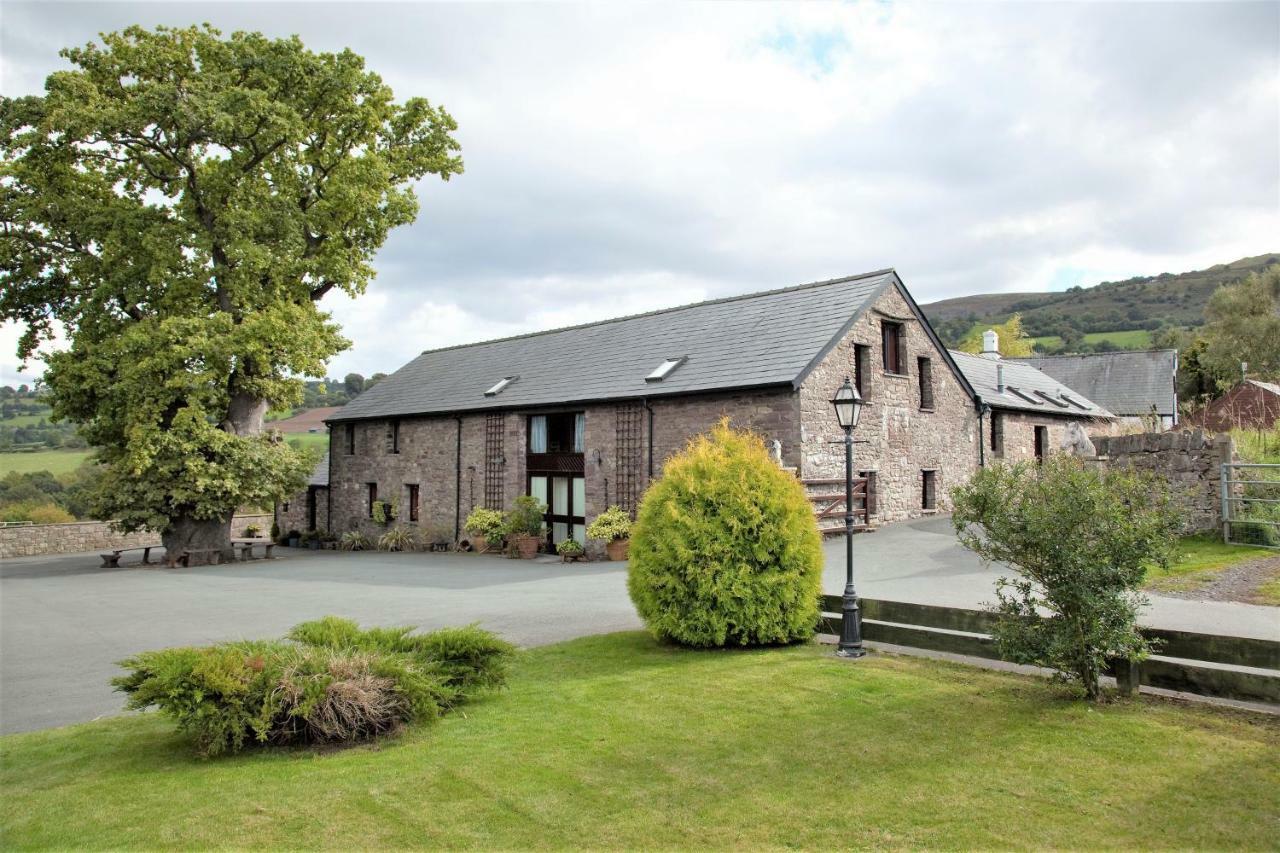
(990, 344)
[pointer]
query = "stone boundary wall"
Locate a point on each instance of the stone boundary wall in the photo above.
(1190, 460)
(38, 539)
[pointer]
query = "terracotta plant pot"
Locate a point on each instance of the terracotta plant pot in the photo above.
(617, 549)
(527, 546)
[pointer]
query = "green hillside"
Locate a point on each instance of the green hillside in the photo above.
(1142, 303)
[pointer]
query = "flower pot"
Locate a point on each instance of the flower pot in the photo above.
(293, 541)
(527, 546)
(617, 549)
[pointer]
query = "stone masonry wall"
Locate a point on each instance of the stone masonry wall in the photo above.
(1189, 460)
(902, 438)
(1020, 435)
(428, 454)
(295, 515)
(74, 537)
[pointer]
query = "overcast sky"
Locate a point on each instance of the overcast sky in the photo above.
(621, 158)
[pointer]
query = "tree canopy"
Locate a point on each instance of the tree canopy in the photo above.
(1243, 326)
(176, 204)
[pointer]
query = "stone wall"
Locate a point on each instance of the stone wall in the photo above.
(1190, 461)
(295, 514)
(902, 438)
(1019, 433)
(74, 537)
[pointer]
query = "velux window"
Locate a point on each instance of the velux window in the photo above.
(662, 371)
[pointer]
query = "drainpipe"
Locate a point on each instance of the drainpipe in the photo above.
(328, 490)
(983, 408)
(649, 409)
(457, 484)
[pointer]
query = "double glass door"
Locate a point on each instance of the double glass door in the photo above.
(566, 502)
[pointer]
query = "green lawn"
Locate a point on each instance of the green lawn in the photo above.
(55, 461)
(618, 742)
(309, 440)
(1200, 559)
(26, 420)
(1128, 339)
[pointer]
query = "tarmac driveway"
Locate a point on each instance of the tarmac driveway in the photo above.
(64, 622)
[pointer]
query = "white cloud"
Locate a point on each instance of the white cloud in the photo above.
(626, 157)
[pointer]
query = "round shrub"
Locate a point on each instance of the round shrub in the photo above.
(725, 550)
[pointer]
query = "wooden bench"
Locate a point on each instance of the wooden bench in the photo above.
(215, 557)
(244, 548)
(111, 559)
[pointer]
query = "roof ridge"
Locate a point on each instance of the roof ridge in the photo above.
(718, 301)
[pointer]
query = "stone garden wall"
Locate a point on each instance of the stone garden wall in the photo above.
(1190, 460)
(37, 539)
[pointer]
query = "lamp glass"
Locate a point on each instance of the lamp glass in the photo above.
(848, 405)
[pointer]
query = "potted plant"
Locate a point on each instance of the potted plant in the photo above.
(328, 539)
(354, 540)
(398, 539)
(385, 512)
(614, 527)
(275, 532)
(292, 538)
(570, 550)
(251, 531)
(486, 525)
(524, 525)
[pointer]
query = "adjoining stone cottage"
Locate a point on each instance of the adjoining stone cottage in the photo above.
(584, 417)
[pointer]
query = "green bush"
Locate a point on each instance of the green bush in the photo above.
(354, 540)
(486, 523)
(333, 683)
(1081, 540)
(398, 539)
(611, 525)
(526, 517)
(725, 549)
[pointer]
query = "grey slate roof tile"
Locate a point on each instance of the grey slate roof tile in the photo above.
(981, 373)
(755, 340)
(1127, 383)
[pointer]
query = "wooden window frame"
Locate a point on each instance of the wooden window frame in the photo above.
(924, 367)
(893, 337)
(929, 489)
(412, 500)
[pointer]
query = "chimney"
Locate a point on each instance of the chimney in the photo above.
(999, 378)
(990, 344)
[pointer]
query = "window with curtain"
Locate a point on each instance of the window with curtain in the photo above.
(538, 434)
(579, 432)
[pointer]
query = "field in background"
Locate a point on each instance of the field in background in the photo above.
(1130, 339)
(53, 461)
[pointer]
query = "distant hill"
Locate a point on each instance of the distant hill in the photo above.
(1145, 302)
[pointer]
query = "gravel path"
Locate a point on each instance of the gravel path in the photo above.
(1235, 583)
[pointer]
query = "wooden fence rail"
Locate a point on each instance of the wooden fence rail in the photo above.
(1206, 664)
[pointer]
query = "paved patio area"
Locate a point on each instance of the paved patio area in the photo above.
(64, 622)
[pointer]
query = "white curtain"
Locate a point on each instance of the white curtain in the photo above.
(579, 432)
(538, 434)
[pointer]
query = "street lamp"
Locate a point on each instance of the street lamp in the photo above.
(848, 407)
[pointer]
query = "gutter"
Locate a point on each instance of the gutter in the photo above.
(457, 483)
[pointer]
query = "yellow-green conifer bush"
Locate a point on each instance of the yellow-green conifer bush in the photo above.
(725, 550)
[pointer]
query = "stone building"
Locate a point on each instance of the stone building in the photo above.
(584, 417)
(1024, 411)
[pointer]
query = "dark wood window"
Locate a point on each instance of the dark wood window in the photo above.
(928, 489)
(925, 367)
(862, 369)
(413, 501)
(351, 439)
(892, 344)
(395, 436)
(1042, 443)
(373, 497)
(870, 477)
(997, 433)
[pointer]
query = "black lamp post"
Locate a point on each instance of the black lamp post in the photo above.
(848, 409)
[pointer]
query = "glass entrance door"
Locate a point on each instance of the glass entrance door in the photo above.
(566, 502)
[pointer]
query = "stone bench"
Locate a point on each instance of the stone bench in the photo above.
(244, 548)
(111, 559)
(214, 554)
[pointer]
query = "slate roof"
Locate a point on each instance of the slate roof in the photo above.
(756, 340)
(1127, 383)
(1270, 387)
(320, 476)
(1021, 377)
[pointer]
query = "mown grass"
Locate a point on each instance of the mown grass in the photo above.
(1200, 559)
(309, 440)
(619, 742)
(54, 461)
(1128, 339)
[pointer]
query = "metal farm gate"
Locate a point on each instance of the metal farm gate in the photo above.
(1251, 504)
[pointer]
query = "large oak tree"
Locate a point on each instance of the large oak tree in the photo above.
(176, 205)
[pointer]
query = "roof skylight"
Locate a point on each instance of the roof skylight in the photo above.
(1024, 395)
(1059, 403)
(1073, 401)
(500, 386)
(662, 371)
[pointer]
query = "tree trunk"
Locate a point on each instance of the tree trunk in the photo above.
(198, 534)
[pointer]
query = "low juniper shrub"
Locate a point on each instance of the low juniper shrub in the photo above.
(330, 682)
